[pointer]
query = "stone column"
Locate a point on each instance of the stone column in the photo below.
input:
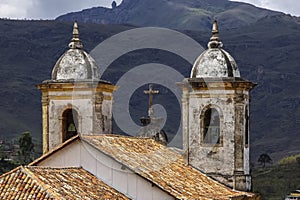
(185, 119)
(45, 121)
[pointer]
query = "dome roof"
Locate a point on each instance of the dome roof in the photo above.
(75, 63)
(215, 62)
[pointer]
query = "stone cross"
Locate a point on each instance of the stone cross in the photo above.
(150, 92)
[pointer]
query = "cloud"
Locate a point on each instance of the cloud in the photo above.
(41, 9)
(287, 6)
(54, 8)
(14, 8)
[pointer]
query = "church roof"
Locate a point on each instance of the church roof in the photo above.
(163, 166)
(54, 183)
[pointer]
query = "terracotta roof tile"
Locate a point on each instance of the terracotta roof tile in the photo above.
(164, 167)
(17, 184)
(54, 183)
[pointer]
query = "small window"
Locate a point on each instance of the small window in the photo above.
(211, 132)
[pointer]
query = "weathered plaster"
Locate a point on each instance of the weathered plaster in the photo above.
(215, 62)
(228, 161)
(92, 102)
(75, 64)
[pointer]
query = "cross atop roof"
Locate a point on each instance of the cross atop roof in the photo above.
(151, 92)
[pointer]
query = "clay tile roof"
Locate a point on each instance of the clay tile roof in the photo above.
(54, 183)
(164, 167)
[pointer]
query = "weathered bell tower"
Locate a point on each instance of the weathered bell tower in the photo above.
(75, 101)
(215, 108)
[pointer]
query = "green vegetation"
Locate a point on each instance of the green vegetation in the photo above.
(6, 165)
(295, 159)
(26, 151)
(199, 11)
(17, 152)
(274, 182)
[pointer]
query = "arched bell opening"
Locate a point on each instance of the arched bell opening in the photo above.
(69, 124)
(211, 121)
(211, 129)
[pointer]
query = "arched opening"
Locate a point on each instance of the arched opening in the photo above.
(211, 127)
(69, 124)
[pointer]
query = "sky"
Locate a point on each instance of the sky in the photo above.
(50, 9)
(287, 6)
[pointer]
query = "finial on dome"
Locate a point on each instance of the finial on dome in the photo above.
(75, 42)
(75, 30)
(215, 41)
(215, 28)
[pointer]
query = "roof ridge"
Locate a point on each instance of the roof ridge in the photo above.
(117, 136)
(54, 168)
(40, 183)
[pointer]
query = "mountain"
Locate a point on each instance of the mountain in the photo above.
(266, 49)
(175, 14)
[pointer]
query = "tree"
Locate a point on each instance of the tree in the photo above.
(113, 5)
(2, 156)
(298, 160)
(26, 152)
(264, 158)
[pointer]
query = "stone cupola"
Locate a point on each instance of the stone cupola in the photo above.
(75, 63)
(215, 61)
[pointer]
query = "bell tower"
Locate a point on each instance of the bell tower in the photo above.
(75, 101)
(215, 117)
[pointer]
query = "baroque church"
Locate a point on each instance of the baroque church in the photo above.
(83, 159)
